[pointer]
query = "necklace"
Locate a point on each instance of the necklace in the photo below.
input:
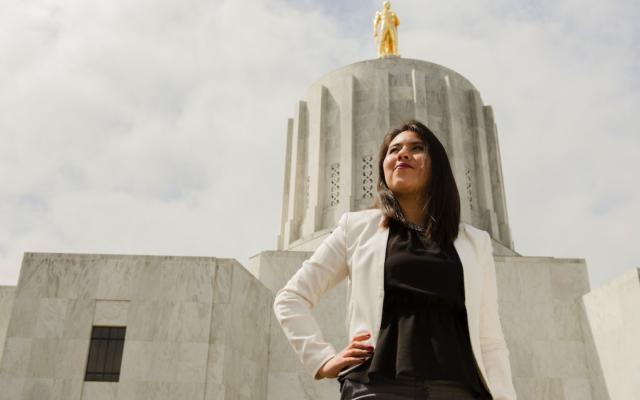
(416, 227)
(429, 245)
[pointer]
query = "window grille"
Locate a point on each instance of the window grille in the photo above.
(105, 354)
(468, 187)
(334, 198)
(367, 177)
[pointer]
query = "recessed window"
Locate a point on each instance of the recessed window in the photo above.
(105, 354)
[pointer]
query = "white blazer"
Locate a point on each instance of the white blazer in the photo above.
(356, 250)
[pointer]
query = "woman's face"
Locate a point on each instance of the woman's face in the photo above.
(407, 165)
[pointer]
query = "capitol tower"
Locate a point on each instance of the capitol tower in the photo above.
(334, 138)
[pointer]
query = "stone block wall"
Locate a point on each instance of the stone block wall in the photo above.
(612, 321)
(287, 379)
(195, 328)
(7, 293)
(204, 328)
(239, 341)
(539, 300)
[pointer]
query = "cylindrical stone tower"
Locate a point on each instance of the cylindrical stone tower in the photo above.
(334, 137)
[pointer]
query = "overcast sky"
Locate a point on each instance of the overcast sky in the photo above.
(158, 127)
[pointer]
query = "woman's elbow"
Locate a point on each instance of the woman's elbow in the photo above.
(278, 303)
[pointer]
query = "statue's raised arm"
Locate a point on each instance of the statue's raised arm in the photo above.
(385, 31)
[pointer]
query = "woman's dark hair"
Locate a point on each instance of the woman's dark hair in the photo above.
(442, 218)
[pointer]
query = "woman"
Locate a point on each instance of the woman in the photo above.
(421, 294)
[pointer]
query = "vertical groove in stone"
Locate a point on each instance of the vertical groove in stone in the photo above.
(385, 107)
(495, 163)
(285, 189)
(436, 111)
(458, 161)
(482, 164)
(347, 155)
(421, 111)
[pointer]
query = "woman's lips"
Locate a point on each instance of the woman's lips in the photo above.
(403, 165)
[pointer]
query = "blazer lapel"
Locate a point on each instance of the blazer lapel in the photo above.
(469, 267)
(379, 246)
(379, 242)
(472, 286)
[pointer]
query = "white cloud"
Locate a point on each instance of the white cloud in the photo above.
(561, 79)
(158, 127)
(151, 127)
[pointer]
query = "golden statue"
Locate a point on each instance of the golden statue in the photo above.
(385, 31)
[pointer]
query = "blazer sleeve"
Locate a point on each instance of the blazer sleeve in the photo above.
(495, 354)
(293, 303)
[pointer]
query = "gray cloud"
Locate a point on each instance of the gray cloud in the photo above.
(158, 127)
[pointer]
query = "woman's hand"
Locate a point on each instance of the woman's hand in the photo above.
(355, 353)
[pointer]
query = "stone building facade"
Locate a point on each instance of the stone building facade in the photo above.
(196, 328)
(203, 328)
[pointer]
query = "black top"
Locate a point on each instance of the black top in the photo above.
(424, 332)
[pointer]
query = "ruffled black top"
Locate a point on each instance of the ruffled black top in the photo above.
(424, 332)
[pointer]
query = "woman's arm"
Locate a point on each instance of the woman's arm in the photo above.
(495, 354)
(293, 303)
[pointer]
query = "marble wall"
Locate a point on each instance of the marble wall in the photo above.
(7, 293)
(204, 328)
(539, 299)
(196, 328)
(286, 378)
(540, 311)
(612, 319)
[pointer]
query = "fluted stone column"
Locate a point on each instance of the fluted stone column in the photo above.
(499, 200)
(296, 198)
(348, 178)
(485, 208)
(456, 152)
(315, 161)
